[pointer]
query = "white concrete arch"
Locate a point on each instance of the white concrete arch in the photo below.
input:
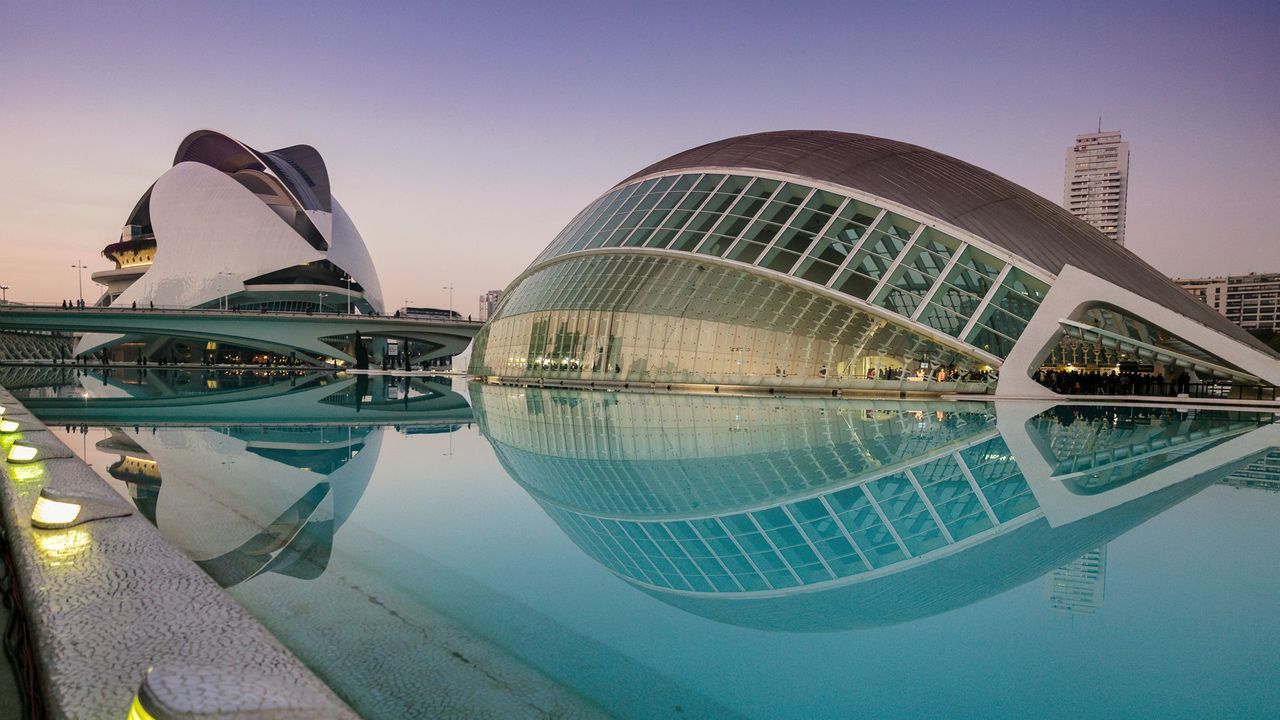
(1075, 291)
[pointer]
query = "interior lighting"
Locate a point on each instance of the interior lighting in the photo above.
(20, 452)
(8, 426)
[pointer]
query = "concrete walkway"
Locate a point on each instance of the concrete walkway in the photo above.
(110, 598)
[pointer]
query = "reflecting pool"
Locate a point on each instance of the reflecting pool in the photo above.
(706, 556)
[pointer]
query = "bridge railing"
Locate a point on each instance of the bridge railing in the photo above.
(171, 309)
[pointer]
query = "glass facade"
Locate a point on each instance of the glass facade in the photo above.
(671, 319)
(868, 253)
(1123, 324)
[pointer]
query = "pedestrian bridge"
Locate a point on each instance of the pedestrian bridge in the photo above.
(327, 335)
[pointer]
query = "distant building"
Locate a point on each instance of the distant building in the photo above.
(1251, 301)
(1077, 587)
(1096, 187)
(232, 227)
(488, 303)
(284, 245)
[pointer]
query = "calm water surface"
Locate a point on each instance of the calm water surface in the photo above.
(695, 556)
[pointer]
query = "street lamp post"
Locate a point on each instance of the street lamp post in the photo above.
(321, 302)
(225, 292)
(80, 268)
(450, 289)
(348, 279)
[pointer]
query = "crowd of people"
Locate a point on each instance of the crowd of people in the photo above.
(1113, 382)
(942, 374)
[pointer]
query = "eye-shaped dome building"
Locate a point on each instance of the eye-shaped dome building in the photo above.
(230, 226)
(820, 259)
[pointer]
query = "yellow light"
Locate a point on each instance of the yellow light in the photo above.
(8, 426)
(52, 512)
(1, 410)
(26, 473)
(19, 453)
(61, 547)
(137, 712)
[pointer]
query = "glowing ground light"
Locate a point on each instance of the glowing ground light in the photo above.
(8, 426)
(53, 513)
(21, 453)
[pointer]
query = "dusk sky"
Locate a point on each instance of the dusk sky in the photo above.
(462, 137)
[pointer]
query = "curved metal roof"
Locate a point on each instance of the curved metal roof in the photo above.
(299, 167)
(979, 201)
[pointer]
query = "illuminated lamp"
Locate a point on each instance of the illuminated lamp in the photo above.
(8, 426)
(175, 691)
(26, 450)
(53, 513)
(21, 452)
(137, 712)
(55, 509)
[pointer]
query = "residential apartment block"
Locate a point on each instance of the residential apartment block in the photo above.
(1251, 301)
(1096, 185)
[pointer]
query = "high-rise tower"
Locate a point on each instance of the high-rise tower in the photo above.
(1096, 188)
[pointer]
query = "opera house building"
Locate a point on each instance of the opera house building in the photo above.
(829, 261)
(228, 226)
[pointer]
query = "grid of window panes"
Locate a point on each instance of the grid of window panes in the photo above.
(863, 251)
(636, 456)
(1112, 439)
(842, 533)
(667, 318)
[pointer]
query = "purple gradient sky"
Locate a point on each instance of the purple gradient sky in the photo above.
(462, 137)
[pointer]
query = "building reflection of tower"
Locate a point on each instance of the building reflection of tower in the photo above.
(812, 515)
(1078, 586)
(1261, 474)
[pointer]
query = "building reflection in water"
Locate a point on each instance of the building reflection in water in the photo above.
(1077, 587)
(241, 501)
(1261, 474)
(814, 515)
(249, 472)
